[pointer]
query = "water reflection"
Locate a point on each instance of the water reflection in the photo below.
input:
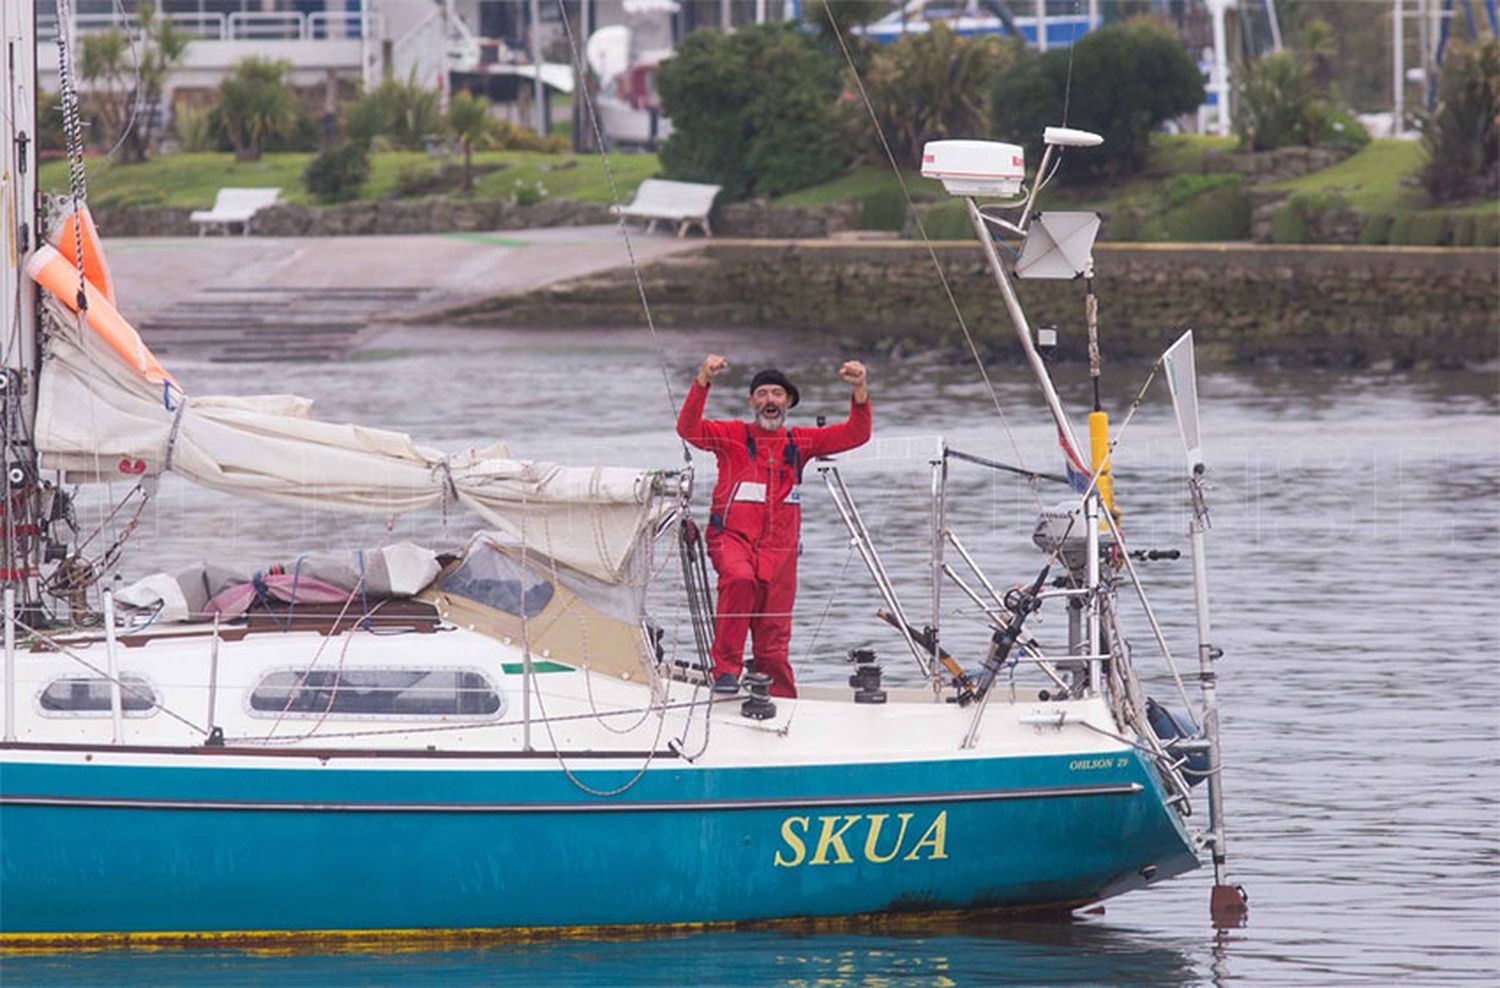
(981, 952)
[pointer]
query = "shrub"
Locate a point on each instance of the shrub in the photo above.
(1198, 210)
(1278, 104)
(884, 209)
(935, 85)
(1376, 229)
(1341, 129)
(413, 180)
(1461, 230)
(1400, 232)
(1429, 230)
(755, 112)
(1283, 103)
(1190, 208)
(1301, 218)
(1462, 135)
(509, 136)
(1125, 223)
(947, 220)
(256, 105)
(1126, 80)
(1487, 229)
(397, 115)
(528, 193)
(194, 128)
(336, 173)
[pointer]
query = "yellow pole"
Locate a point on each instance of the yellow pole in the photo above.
(1099, 450)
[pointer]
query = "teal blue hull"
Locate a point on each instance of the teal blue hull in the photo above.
(100, 849)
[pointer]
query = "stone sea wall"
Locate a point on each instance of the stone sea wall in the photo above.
(1375, 307)
(430, 214)
(442, 214)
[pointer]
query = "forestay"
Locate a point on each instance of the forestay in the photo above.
(98, 418)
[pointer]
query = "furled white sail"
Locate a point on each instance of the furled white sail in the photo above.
(99, 418)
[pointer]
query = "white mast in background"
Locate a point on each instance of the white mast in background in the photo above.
(1219, 80)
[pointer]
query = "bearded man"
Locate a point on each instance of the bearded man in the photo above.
(755, 521)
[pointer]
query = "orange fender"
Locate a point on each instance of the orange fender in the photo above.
(59, 276)
(77, 227)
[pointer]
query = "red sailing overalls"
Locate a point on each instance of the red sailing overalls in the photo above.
(754, 527)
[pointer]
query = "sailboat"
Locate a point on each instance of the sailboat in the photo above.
(392, 743)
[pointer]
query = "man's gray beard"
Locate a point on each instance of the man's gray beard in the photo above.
(770, 424)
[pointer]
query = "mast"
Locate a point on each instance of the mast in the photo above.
(20, 531)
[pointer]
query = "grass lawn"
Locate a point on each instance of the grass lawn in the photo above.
(1371, 179)
(179, 180)
(1171, 154)
(569, 176)
(192, 180)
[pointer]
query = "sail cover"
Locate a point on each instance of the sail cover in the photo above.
(98, 418)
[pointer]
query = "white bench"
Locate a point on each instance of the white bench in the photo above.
(683, 203)
(234, 206)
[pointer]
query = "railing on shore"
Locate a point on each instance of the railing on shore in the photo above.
(289, 25)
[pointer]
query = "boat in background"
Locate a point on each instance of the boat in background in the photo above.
(978, 17)
(502, 740)
(625, 58)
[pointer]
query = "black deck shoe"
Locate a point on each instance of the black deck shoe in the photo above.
(726, 682)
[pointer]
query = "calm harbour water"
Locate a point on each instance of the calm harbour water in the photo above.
(1355, 582)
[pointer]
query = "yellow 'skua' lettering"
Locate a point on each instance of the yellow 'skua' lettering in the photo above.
(935, 838)
(793, 841)
(831, 839)
(882, 844)
(872, 841)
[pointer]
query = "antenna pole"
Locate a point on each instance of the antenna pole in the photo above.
(1023, 331)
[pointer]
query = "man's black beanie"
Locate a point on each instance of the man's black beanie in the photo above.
(776, 377)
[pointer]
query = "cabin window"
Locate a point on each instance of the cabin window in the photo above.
(90, 695)
(489, 577)
(359, 692)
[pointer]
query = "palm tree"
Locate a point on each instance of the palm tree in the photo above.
(161, 53)
(126, 84)
(470, 122)
(256, 104)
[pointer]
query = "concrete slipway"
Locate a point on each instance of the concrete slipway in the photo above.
(248, 297)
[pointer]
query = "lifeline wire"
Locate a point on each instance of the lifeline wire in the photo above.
(529, 679)
(62, 647)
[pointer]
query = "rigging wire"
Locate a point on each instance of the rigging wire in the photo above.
(591, 111)
(292, 693)
(922, 229)
(133, 95)
(77, 198)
